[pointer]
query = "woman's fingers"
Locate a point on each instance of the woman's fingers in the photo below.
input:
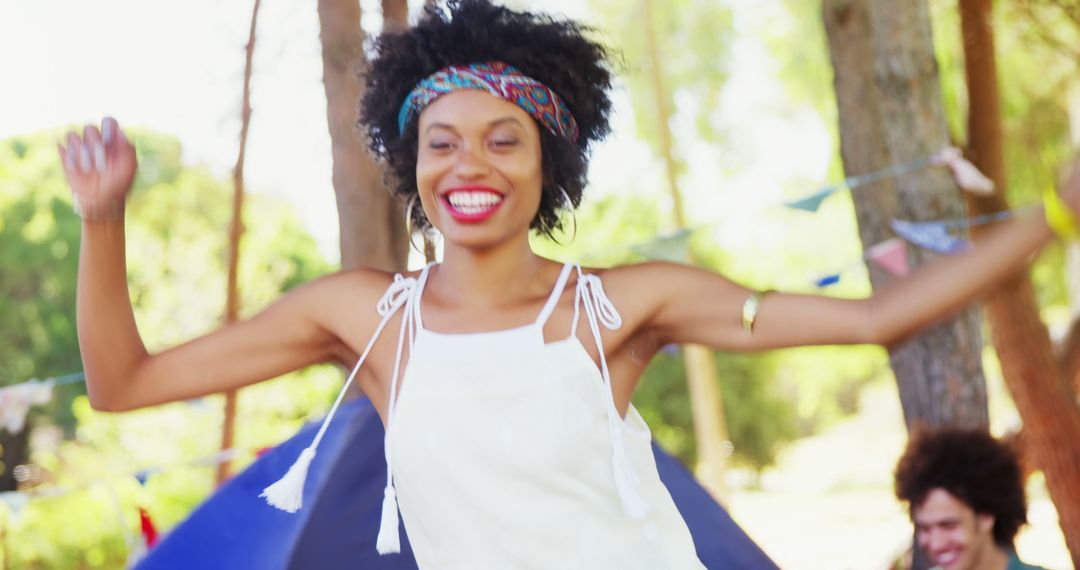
(65, 159)
(95, 148)
(78, 155)
(99, 164)
(109, 126)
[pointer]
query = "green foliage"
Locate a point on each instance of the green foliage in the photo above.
(39, 237)
(692, 38)
(177, 225)
(1036, 68)
(758, 417)
(796, 38)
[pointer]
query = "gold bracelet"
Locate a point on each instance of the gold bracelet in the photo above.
(1059, 216)
(750, 309)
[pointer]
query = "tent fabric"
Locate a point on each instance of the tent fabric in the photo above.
(337, 526)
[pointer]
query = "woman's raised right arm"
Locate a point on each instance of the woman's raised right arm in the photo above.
(120, 373)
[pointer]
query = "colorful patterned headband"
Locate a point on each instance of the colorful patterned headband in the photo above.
(500, 80)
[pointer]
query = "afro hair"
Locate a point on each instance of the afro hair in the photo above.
(973, 467)
(555, 52)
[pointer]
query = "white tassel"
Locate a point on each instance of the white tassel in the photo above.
(288, 493)
(389, 541)
(626, 481)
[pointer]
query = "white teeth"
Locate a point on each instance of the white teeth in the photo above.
(473, 202)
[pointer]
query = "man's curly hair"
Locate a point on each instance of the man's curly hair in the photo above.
(553, 51)
(972, 466)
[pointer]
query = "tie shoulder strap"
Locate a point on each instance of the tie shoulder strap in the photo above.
(395, 295)
(556, 294)
(287, 493)
(600, 310)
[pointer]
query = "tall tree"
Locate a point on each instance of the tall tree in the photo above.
(236, 229)
(890, 111)
(890, 108)
(371, 223)
(1040, 387)
(395, 15)
(1054, 26)
(710, 428)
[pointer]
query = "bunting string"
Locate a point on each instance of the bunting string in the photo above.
(674, 246)
(17, 500)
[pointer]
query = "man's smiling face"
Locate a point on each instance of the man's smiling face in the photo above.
(952, 534)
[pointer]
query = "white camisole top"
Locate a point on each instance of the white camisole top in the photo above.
(506, 452)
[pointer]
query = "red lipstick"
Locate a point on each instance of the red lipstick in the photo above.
(471, 204)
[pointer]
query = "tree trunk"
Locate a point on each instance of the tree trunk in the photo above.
(1035, 379)
(371, 222)
(236, 230)
(15, 450)
(395, 15)
(706, 405)
(890, 112)
(890, 107)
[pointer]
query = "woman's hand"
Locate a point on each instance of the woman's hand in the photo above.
(99, 167)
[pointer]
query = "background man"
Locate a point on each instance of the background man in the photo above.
(966, 496)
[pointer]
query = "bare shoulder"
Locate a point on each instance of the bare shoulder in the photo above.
(354, 292)
(664, 298)
(648, 279)
(642, 288)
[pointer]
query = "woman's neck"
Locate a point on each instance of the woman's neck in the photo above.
(492, 276)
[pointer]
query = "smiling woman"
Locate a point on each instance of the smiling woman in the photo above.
(560, 78)
(479, 161)
(504, 379)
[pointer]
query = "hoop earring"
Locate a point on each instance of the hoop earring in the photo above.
(569, 205)
(408, 222)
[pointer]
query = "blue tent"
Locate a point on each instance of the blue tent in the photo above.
(337, 526)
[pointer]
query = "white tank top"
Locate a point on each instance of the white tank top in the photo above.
(507, 451)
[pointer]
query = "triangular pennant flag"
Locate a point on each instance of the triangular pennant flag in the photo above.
(16, 501)
(929, 235)
(673, 247)
(827, 280)
(966, 175)
(15, 402)
(812, 202)
(149, 533)
(143, 475)
(890, 255)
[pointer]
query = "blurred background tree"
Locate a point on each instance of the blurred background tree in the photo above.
(177, 220)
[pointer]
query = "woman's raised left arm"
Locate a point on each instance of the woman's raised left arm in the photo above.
(690, 305)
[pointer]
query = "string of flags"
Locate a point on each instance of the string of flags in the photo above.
(139, 544)
(17, 399)
(675, 246)
(891, 254)
(965, 174)
(17, 500)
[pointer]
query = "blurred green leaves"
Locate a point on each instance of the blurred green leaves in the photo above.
(177, 225)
